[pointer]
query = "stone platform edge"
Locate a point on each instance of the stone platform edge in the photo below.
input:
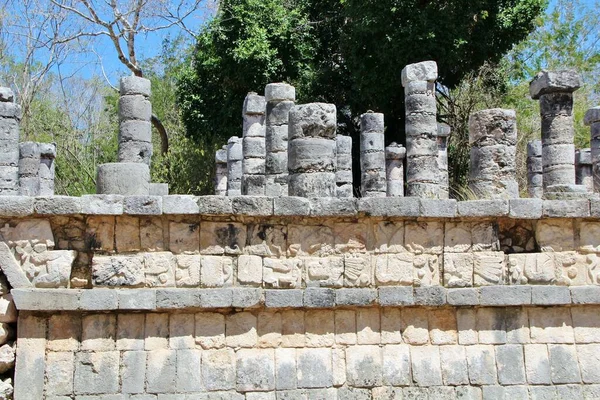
(255, 206)
(100, 299)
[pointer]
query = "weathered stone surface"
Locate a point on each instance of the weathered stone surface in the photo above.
(255, 370)
(423, 71)
(314, 368)
(554, 81)
(364, 366)
(123, 178)
(219, 369)
(161, 371)
(426, 367)
(564, 367)
(96, 373)
(482, 364)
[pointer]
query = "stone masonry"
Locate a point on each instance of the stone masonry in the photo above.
(372, 155)
(422, 171)
(235, 159)
(394, 167)
(443, 133)
(312, 150)
(554, 90)
(253, 178)
(10, 116)
(592, 119)
(493, 141)
(280, 99)
(343, 173)
(583, 169)
(535, 174)
(221, 172)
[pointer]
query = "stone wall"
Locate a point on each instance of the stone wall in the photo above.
(182, 297)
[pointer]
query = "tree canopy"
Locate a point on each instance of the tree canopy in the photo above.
(348, 52)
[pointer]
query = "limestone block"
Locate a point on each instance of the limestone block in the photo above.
(293, 331)
(60, 368)
(457, 238)
(551, 326)
(285, 369)
(317, 184)
(30, 363)
(216, 271)
(210, 330)
(572, 269)
(151, 234)
(396, 365)
(387, 237)
(426, 367)
(554, 81)
(312, 120)
(555, 235)
(442, 327)
(511, 364)
(482, 364)
(255, 370)
(249, 270)
(159, 269)
(188, 378)
(564, 367)
(117, 271)
(586, 322)
(96, 373)
(368, 326)
(132, 85)
(187, 270)
(422, 71)
(534, 268)
(350, 238)
(324, 272)
(123, 178)
(99, 332)
(161, 371)
(282, 273)
(394, 269)
(345, 327)
(391, 326)
(241, 330)
(130, 332)
(491, 325)
(488, 268)
(364, 366)
(458, 269)
(424, 237)
(64, 333)
(269, 329)
(426, 270)
(183, 238)
(136, 131)
(101, 232)
(181, 331)
(453, 362)
(218, 369)
(589, 357)
(316, 241)
(133, 371)
(517, 325)
(6, 95)
(415, 326)
(357, 270)
(222, 238)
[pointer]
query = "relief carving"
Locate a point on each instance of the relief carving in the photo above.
(159, 269)
(426, 270)
(315, 241)
(282, 273)
(326, 272)
(458, 269)
(388, 237)
(488, 268)
(357, 270)
(394, 269)
(187, 273)
(216, 271)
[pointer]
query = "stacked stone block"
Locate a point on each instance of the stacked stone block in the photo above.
(280, 99)
(47, 171)
(394, 167)
(422, 170)
(493, 140)
(10, 116)
(312, 150)
(583, 169)
(135, 114)
(235, 158)
(535, 175)
(372, 155)
(253, 178)
(443, 133)
(221, 172)
(36, 169)
(554, 90)
(592, 119)
(343, 173)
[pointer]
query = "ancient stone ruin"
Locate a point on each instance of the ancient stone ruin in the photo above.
(284, 285)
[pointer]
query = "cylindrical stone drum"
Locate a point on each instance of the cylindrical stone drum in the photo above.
(372, 155)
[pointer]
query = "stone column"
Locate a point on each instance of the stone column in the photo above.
(343, 173)
(372, 155)
(583, 169)
(280, 99)
(312, 150)
(221, 172)
(235, 157)
(443, 133)
(535, 175)
(253, 178)
(422, 171)
(554, 90)
(493, 141)
(29, 169)
(135, 114)
(592, 119)
(47, 168)
(10, 116)
(127, 179)
(394, 168)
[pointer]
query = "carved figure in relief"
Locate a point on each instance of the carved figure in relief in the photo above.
(569, 268)
(534, 268)
(187, 273)
(324, 271)
(216, 271)
(282, 273)
(488, 268)
(394, 268)
(357, 270)
(316, 241)
(426, 270)
(593, 268)
(118, 270)
(159, 268)
(32, 243)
